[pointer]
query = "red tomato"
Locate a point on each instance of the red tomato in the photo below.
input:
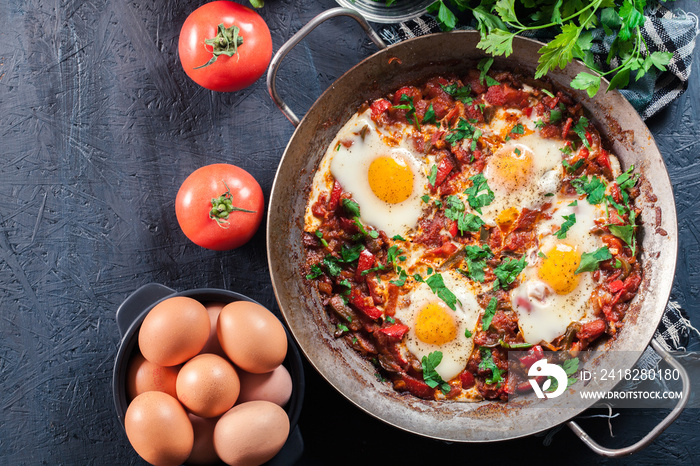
(232, 67)
(219, 206)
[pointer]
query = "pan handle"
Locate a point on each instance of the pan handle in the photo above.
(656, 431)
(296, 38)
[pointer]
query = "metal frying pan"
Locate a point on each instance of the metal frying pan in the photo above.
(344, 369)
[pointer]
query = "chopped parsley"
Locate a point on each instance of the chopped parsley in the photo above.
(625, 181)
(580, 129)
(429, 116)
(484, 66)
(319, 235)
(626, 234)
(592, 187)
(432, 176)
(518, 129)
(570, 367)
(430, 375)
(479, 194)
(570, 220)
(463, 130)
(410, 110)
(489, 312)
(437, 285)
(572, 168)
(476, 258)
(590, 260)
(454, 210)
(461, 93)
(487, 364)
(507, 271)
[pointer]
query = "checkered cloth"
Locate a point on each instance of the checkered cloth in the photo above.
(664, 30)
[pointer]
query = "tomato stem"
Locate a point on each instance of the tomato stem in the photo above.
(226, 43)
(222, 206)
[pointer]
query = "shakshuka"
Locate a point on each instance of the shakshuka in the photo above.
(460, 218)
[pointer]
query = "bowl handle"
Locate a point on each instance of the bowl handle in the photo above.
(656, 431)
(296, 38)
(137, 301)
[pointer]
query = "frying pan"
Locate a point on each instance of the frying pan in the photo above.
(414, 60)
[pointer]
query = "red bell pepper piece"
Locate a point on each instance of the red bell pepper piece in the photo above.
(533, 355)
(615, 286)
(444, 168)
(603, 159)
(467, 379)
(364, 304)
(418, 387)
(380, 106)
(335, 197)
(396, 331)
(365, 262)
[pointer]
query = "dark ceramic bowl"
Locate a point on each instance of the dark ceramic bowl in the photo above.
(131, 314)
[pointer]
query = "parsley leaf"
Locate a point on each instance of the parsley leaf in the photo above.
(507, 271)
(570, 367)
(570, 221)
(461, 93)
(430, 375)
(487, 364)
(401, 279)
(476, 258)
(315, 272)
(432, 176)
(625, 233)
(479, 185)
(586, 82)
(518, 129)
(351, 207)
(592, 187)
(463, 130)
(437, 285)
(332, 265)
(429, 116)
(590, 260)
(498, 42)
(351, 253)
(489, 312)
(580, 129)
(484, 66)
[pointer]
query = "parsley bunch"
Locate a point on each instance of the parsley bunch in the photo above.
(570, 23)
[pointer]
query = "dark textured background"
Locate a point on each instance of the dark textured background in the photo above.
(98, 127)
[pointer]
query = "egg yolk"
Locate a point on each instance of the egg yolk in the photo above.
(391, 179)
(435, 325)
(558, 267)
(512, 166)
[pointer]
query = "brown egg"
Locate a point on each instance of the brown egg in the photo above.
(275, 386)
(203, 450)
(175, 330)
(212, 345)
(251, 433)
(252, 337)
(158, 428)
(144, 376)
(207, 385)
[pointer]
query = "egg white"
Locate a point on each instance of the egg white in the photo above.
(543, 314)
(455, 354)
(546, 174)
(350, 155)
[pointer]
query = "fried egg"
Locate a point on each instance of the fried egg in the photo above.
(520, 173)
(551, 295)
(381, 171)
(433, 326)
